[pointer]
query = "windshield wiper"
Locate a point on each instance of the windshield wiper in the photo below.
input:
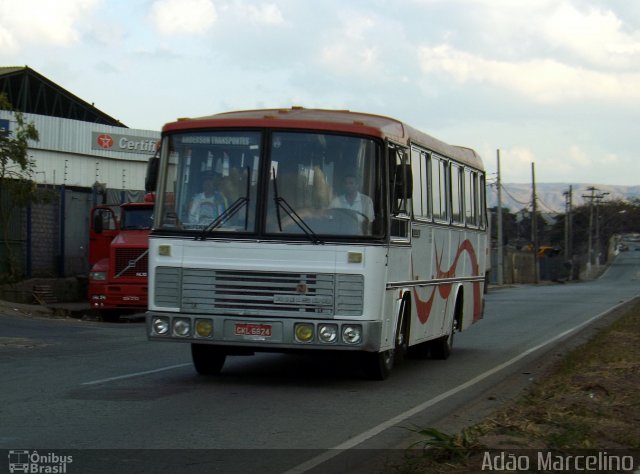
(281, 203)
(229, 212)
(224, 217)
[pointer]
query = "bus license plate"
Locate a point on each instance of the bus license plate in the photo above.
(255, 330)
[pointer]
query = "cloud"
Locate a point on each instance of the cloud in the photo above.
(28, 22)
(539, 80)
(594, 34)
(517, 160)
(577, 157)
(361, 46)
(184, 16)
(345, 61)
(269, 14)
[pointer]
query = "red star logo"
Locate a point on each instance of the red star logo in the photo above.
(104, 141)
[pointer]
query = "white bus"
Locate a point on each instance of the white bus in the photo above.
(314, 230)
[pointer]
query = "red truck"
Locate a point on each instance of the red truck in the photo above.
(118, 248)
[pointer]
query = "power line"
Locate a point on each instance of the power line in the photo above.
(549, 208)
(528, 203)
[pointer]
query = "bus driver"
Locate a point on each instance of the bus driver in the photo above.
(210, 203)
(354, 200)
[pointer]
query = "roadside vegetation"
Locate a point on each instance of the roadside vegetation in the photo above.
(17, 188)
(588, 402)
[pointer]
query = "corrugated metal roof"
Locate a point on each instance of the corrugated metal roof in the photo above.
(10, 69)
(31, 92)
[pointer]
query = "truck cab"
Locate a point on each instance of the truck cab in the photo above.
(118, 248)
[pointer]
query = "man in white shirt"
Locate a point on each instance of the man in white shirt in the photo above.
(354, 200)
(209, 204)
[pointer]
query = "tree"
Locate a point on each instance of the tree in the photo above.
(17, 189)
(613, 217)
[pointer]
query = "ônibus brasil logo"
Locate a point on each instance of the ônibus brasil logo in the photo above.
(23, 460)
(104, 141)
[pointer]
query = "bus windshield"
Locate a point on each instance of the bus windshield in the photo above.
(282, 183)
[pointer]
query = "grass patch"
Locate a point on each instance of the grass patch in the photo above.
(588, 400)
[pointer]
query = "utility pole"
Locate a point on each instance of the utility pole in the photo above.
(594, 199)
(568, 230)
(591, 198)
(599, 199)
(500, 263)
(534, 226)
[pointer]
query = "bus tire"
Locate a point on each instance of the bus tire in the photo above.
(442, 347)
(207, 360)
(377, 365)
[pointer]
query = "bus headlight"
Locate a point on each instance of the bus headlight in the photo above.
(352, 334)
(204, 327)
(328, 333)
(303, 332)
(160, 325)
(181, 327)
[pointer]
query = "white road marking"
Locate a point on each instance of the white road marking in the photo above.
(136, 374)
(362, 437)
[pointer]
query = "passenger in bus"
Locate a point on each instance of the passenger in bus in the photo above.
(210, 203)
(354, 200)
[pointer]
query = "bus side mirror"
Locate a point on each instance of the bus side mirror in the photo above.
(151, 178)
(403, 182)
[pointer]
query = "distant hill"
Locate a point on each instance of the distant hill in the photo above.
(516, 196)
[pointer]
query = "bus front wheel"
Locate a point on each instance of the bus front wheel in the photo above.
(377, 365)
(207, 360)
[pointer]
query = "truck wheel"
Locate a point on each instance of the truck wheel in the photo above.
(207, 360)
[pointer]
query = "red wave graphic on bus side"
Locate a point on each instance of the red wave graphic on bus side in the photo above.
(424, 307)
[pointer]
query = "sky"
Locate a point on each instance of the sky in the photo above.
(555, 83)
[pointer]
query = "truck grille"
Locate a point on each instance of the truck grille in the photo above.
(259, 293)
(131, 263)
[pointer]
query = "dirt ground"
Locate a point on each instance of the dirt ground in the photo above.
(585, 408)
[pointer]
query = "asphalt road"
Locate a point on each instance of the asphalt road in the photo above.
(105, 391)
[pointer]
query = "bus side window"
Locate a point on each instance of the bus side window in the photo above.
(401, 190)
(401, 182)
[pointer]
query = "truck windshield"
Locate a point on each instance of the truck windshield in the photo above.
(305, 184)
(137, 218)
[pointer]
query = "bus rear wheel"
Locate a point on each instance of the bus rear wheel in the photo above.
(207, 360)
(442, 347)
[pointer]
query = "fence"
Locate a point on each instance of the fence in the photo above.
(49, 238)
(518, 267)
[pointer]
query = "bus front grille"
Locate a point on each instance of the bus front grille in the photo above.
(267, 294)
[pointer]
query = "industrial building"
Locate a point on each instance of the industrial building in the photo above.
(79, 145)
(83, 157)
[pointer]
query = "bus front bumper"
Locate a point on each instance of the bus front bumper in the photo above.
(265, 334)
